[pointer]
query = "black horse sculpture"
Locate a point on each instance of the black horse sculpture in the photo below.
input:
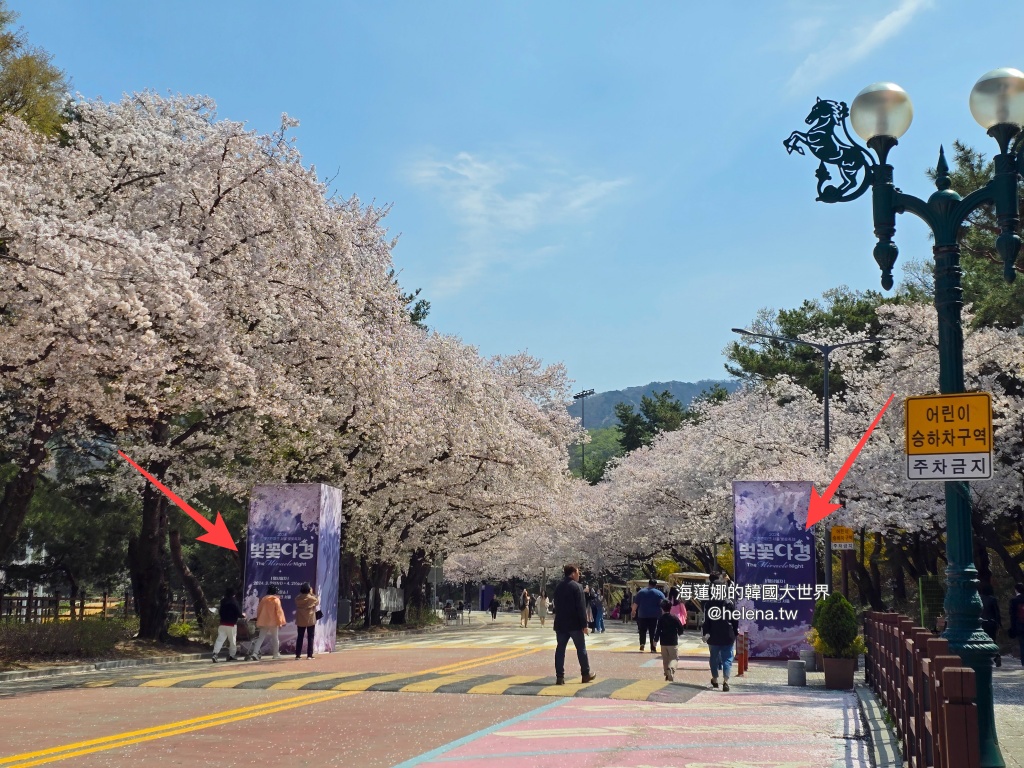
(852, 160)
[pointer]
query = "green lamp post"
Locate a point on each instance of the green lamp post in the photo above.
(880, 114)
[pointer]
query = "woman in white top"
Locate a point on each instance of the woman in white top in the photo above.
(542, 608)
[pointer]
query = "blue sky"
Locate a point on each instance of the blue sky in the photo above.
(598, 183)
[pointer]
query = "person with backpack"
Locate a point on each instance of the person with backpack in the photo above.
(720, 630)
(669, 630)
(1016, 630)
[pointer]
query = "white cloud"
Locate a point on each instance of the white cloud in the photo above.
(850, 45)
(507, 210)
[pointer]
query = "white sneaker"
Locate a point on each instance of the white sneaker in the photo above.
(277, 656)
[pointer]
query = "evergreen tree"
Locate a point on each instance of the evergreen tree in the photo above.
(31, 87)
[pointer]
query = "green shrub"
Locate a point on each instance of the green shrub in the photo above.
(182, 629)
(836, 628)
(819, 605)
(64, 639)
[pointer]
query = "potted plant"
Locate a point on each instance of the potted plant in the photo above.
(835, 637)
(819, 663)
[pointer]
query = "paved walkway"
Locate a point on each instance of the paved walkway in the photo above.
(1008, 693)
(422, 700)
(713, 730)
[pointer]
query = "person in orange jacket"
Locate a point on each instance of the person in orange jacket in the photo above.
(269, 620)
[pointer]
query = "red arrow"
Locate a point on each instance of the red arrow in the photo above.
(216, 532)
(821, 506)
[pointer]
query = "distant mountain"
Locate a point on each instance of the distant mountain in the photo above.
(601, 406)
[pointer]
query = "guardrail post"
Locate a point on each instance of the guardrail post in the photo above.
(959, 690)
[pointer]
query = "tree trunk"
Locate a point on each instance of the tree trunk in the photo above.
(195, 589)
(876, 573)
(414, 585)
(1010, 562)
(896, 565)
(867, 587)
(375, 576)
(147, 553)
(19, 489)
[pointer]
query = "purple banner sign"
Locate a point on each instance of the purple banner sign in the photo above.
(294, 537)
(774, 566)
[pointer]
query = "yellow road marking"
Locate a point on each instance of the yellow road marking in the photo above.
(296, 683)
(640, 690)
(429, 686)
(500, 686)
(169, 681)
(54, 754)
(232, 682)
(366, 682)
(158, 731)
(569, 689)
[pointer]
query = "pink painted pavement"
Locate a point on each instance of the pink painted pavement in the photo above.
(712, 730)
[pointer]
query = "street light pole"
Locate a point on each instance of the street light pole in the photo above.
(881, 114)
(582, 397)
(826, 350)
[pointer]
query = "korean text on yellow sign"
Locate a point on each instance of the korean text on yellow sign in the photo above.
(842, 537)
(949, 437)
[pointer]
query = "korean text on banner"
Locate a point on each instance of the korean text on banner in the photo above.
(294, 537)
(775, 554)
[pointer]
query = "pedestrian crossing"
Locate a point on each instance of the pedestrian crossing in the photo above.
(619, 642)
(404, 682)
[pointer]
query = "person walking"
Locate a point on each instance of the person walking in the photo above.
(542, 607)
(269, 620)
(493, 607)
(646, 610)
(669, 630)
(720, 630)
(625, 606)
(991, 619)
(597, 609)
(306, 605)
(230, 612)
(1016, 630)
(571, 624)
(524, 608)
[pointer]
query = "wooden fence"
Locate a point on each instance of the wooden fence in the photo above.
(926, 689)
(41, 608)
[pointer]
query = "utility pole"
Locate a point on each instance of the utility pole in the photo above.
(582, 397)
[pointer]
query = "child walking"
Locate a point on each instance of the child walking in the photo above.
(669, 629)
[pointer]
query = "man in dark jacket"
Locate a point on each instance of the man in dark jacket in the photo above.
(720, 630)
(571, 624)
(230, 613)
(1017, 618)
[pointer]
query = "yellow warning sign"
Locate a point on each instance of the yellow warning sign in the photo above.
(842, 538)
(949, 437)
